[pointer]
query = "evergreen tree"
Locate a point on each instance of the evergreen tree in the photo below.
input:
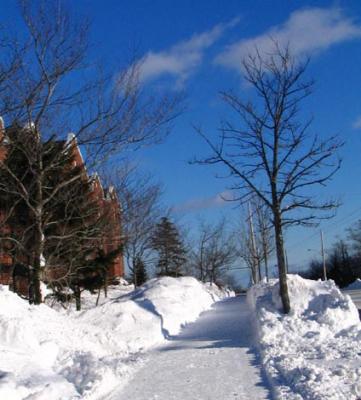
(73, 224)
(167, 243)
(139, 275)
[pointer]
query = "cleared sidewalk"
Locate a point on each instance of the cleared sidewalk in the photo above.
(211, 359)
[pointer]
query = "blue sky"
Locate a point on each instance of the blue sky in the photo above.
(196, 46)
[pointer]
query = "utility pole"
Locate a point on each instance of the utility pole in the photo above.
(323, 258)
(253, 243)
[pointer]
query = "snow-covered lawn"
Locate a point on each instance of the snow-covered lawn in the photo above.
(315, 352)
(50, 354)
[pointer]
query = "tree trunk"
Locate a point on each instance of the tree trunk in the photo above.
(202, 277)
(98, 297)
(77, 298)
(106, 285)
(36, 264)
(266, 265)
(14, 286)
(36, 258)
(39, 234)
(36, 284)
(282, 273)
(259, 269)
(254, 272)
(135, 274)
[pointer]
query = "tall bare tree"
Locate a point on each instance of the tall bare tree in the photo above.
(50, 87)
(265, 237)
(249, 254)
(140, 198)
(256, 239)
(213, 252)
(269, 151)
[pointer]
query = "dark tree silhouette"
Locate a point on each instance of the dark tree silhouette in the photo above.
(168, 244)
(139, 273)
(340, 265)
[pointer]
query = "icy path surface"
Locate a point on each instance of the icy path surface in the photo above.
(210, 359)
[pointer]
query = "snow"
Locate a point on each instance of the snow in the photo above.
(212, 358)
(354, 292)
(61, 354)
(315, 351)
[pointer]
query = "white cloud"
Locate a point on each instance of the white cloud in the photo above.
(307, 31)
(219, 200)
(357, 123)
(181, 60)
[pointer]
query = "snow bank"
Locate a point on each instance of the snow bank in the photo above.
(315, 351)
(48, 354)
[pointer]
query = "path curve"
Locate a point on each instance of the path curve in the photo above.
(211, 359)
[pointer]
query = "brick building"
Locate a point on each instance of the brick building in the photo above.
(16, 273)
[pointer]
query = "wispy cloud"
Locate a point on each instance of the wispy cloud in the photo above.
(219, 200)
(182, 59)
(307, 31)
(357, 123)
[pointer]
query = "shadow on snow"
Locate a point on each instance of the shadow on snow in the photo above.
(218, 328)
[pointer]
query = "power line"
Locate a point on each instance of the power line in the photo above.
(329, 227)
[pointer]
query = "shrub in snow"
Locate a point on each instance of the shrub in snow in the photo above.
(314, 352)
(48, 354)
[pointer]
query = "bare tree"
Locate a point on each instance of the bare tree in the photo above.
(140, 198)
(269, 152)
(249, 254)
(255, 245)
(214, 252)
(265, 237)
(198, 257)
(49, 87)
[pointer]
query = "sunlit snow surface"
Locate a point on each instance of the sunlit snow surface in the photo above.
(211, 359)
(48, 354)
(315, 352)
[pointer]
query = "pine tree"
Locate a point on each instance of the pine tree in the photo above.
(169, 246)
(139, 275)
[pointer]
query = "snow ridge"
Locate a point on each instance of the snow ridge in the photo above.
(315, 351)
(48, 354)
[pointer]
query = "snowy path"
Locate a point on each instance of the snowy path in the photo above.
(210, 359)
